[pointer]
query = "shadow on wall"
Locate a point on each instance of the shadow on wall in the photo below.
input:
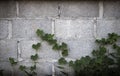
(9, 73)
(7, 9)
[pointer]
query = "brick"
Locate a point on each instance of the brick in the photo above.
(45, 51)
(107, 26)
(70, 29)
(111, 8)
(37, 9)
(7, 68)
(79, 48)
(79, 9)
(4, 29)
(23, 28)
(7, 9)
(8, 48)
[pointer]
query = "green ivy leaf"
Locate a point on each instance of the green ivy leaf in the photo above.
(36, 46)
(103, 41)
(99, 60)
(85, 60)
(65, 53)
(49, 36)
(71, 63)
(102, 51)
(12, 61)
(32, 68)
(94, 52)
(56, 47)
(115, 46)
(113, 36)
(22, 68)
(34, 57)
(77, 65)
(62, 61)
(53, 41)
(39, 32)
(63, 46)
(99, 53)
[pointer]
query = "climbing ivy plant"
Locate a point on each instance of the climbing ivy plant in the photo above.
(101, 63)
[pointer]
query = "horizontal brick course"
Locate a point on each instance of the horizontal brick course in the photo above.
(27, 28)
(33, 9)
(7, 9)
(74, 29)
(79, 9)
(112, 9)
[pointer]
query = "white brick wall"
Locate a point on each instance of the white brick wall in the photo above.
(78, 23)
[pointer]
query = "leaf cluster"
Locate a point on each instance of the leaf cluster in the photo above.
(50, 39)
(99, 64)
(29, 71)
(12, 61)
(62, 61)
(112, 38)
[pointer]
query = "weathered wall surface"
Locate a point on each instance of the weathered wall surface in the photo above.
(76, 23)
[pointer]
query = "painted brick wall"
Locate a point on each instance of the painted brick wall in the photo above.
(76, 23)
